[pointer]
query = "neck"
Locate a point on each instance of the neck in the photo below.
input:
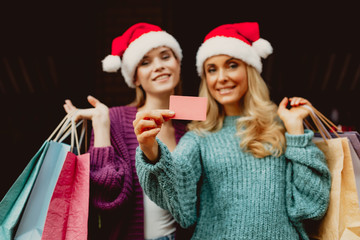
(156, 102)
(232, 110)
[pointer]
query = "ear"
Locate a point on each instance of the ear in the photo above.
(137, 82)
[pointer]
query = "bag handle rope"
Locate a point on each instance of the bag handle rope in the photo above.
(321, 122)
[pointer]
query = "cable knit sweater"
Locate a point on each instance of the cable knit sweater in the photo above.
(116, 194)
(229, 194)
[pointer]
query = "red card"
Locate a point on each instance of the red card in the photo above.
(188, 108)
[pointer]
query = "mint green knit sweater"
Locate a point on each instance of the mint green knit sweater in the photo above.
(228, 194)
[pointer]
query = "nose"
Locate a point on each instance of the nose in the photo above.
(222, 77)
(158, 64)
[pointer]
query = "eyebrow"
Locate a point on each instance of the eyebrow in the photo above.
(163, 51)
(230, 59)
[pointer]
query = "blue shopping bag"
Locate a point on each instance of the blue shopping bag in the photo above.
(12, 204)
(33, 219)
(15, 206)
(32, 222)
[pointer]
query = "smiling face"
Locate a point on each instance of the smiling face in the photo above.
(226, 79)
(158, 71)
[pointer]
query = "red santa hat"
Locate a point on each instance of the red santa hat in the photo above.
(128, 49)
(239, 40)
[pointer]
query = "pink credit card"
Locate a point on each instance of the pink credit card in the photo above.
(188, 108)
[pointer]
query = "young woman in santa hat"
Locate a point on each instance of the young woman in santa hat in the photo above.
(250, 171)
(150, 60)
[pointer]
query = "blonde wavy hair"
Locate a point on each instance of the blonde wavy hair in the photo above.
(261, 134)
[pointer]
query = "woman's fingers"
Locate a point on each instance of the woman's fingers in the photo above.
(68, 106)
(283, 103)
(85, 113)
(67, 109)
(145, 125)
(298, 101)
(295, 111)
(93, 101)
(157, 116)
(144, 137)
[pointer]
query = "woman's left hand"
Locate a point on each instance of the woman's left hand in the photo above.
(294, 116)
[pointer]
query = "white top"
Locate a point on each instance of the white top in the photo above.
(158, 222)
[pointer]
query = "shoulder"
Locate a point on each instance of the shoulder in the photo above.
(122, 112)
(123, 109)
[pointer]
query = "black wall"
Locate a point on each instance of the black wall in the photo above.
(306, 37)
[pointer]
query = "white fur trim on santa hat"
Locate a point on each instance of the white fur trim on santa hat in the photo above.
(139, 47)
(229, 46)
(111, 63)
(262, 47)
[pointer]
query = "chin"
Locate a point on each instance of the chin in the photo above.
(163, 90)
(226, 100)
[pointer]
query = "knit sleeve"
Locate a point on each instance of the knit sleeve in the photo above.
(111, 175)
(308, 178)
(172, 181)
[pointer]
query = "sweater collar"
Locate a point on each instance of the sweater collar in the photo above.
(230, 120)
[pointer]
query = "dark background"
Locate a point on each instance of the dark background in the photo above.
(51, 51)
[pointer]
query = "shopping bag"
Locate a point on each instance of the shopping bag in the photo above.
(353, 136)
(354, 145)
(342, 220)
(356, 164)
(67, 216)
(14, 201)
(33, 217)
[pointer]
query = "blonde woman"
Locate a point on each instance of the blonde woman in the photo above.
(250, 171)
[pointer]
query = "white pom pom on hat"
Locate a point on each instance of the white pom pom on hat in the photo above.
(262, 47)
(128, 49)
(239, 40)
(111, 63)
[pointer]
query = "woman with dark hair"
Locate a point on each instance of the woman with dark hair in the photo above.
(150, 61)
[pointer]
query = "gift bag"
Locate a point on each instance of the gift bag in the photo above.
(342, 220)
(33, 217)
(14, 201)
(67, 216)
(354, 138)
(12, 205)
(354, 145)
(356, 164)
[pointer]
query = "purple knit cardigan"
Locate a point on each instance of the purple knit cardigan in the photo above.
(115, 192)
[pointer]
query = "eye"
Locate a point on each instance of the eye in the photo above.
(165, 56)
(211, 70)
(233, 65)
(144, 62)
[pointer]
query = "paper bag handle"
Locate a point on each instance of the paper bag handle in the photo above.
(61, 128)
(66, 127)
(321, 122)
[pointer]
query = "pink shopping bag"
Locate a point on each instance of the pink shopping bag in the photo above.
(67, 216)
